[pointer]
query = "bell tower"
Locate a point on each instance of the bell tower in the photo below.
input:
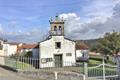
(56, 26)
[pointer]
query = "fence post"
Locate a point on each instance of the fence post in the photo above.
(85, 69)
(103, 69)
(16, 62)
(56, 75)
(84, 77)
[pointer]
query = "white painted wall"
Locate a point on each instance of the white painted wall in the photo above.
(79, 53)
(10, 49)
(47, 50)
(2, 50)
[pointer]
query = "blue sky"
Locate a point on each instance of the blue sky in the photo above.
(34, 12)
(28, 20)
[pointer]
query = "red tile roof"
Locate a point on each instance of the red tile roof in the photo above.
(81, 46)
(27, 46)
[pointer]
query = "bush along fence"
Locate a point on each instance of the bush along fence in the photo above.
(63, 71)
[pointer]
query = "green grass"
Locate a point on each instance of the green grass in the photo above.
(23, 66)
(94, 62)
(18, 65)
(99, 72)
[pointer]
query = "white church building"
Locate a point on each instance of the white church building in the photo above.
(56, 50)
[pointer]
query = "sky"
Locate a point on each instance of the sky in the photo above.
(28, 20)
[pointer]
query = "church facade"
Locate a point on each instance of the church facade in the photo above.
(56, 50)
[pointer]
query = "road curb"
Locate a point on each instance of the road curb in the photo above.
(8, 68)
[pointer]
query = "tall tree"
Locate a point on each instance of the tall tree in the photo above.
(109, 44)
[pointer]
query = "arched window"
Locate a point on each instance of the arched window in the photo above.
(60, 28)
(55, 28)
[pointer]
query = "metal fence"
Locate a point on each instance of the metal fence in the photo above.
(32, 66)
(77, 71)
(103, 72)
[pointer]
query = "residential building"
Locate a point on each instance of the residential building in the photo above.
(10, 48)
(33, 48)
(1, 47)
(82, 52)
(2, 59)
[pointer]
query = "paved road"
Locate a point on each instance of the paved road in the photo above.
(9, 75)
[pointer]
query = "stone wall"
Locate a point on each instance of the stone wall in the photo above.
(38, 75)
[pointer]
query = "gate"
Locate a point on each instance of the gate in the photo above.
(103, 72)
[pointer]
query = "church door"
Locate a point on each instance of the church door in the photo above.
(58, 60)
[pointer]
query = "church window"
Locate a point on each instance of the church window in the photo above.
(60, 28)
(55, 28)
(57, 45)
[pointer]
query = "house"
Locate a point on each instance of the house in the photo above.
(82, 52)
(2, 59)
(34, 48)
(10, 48)
(57, 50)
(1, 47)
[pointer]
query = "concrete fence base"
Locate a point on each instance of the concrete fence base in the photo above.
(2, 60)
(51, 75)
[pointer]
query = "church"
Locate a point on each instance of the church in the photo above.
(57, 50)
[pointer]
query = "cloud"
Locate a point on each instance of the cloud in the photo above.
(98, 8)
(96, 18)
(1, 31)
(29, 36)
(94, 27)
(75, 29)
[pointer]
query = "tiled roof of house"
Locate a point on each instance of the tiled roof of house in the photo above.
(81, 46)
(29, 46)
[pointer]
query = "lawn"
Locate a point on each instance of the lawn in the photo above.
(98, 71)
(18, 64)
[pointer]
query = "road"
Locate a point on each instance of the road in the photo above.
(9, 75)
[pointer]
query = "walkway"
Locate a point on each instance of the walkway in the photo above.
(9, 75)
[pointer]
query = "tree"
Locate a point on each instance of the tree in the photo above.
(109, 44)
(28, 54)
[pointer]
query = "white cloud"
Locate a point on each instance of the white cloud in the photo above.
(70, 19)
(94, 27)
(99, 8)
(1, 28)
(75, 29)
(33, 35)
(1, 31)
(100, 16)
